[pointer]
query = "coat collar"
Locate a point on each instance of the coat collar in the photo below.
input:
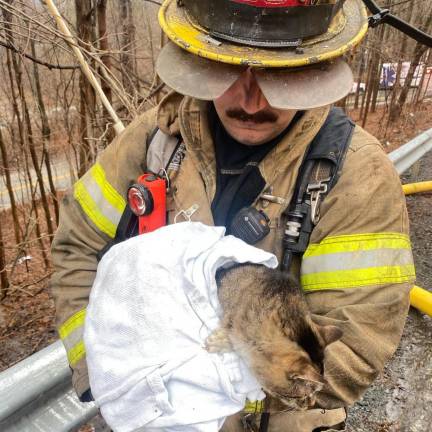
(189, 117)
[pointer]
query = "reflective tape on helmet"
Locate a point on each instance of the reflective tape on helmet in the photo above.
(349, 261)
(71, 333)
(99, 200)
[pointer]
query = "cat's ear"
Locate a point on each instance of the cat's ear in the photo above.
(330, 333)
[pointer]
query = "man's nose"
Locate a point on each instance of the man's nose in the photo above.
(252, 99)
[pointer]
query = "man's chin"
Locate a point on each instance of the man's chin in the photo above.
(252, 136)
(252, 133)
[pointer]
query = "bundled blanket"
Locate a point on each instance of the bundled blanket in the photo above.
(152, 306)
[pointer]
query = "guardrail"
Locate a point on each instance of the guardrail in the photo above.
(407, 155)
(36, 394)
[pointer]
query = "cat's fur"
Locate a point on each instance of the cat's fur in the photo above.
(266, 321)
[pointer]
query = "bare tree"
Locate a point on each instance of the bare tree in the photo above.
(4, 281)
(87, 104)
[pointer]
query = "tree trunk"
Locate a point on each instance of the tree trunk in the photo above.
(128, 43)
(371, 83)
(85, 28)
(383, 33)
(28, 139)
(418, 94)
(419, 50)
(46, 134)
(9, 187)
(36, 213)
(359, 80)
(106, 60)
(398, 107)
(4, 281)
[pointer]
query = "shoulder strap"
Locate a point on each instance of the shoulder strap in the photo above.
(319, 172)
(161, 150)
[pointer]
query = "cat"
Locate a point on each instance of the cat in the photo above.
(267, 322)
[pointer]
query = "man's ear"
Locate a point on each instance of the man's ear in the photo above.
(330, 333)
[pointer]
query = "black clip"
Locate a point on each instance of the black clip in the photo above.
(378, 18)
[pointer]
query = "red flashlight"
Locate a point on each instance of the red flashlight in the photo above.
(147, 200)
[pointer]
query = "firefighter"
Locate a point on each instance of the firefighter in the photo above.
(253, 84)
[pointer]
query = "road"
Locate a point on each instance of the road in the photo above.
(62, 181)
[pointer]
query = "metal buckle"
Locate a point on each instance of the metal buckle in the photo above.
(249, 423)
(187, 214)
(316, 190)
(378, 18)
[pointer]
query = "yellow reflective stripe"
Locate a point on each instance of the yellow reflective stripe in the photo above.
(71, 334)
(254, 406)
(72, 323)
(76, 353)
(99, 200)
(357, 277)
(110, 194)
(92, 211)
(358, 242)
(353, 260)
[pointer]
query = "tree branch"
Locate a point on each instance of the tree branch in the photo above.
(33, 59)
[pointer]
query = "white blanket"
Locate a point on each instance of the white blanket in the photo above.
(153, 304)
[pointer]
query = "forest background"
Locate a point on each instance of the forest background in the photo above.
(53, 125)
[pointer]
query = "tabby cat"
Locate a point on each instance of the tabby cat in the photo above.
(267, 322)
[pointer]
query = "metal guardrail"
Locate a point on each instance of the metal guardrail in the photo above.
(36, 394)
(407, 155)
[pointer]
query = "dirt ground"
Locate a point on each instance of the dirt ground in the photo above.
(400, 398)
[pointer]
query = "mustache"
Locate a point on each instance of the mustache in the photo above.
(259, 117)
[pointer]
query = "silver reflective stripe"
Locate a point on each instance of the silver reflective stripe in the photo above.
(73, 338)
(356, 260)
(104, 206)
(99, 200)
(71, 333)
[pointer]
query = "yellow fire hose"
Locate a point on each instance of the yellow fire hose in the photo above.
(421, 299)
(417, 187)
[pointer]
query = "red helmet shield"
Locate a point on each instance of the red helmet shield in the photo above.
(274, 3)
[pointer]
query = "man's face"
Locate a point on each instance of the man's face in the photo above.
(246, 114)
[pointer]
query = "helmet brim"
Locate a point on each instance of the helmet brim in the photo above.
(348, 28)
(191, 75)
(307, 87)
(284, 88)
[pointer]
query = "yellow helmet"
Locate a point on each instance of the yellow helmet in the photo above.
(213, 40)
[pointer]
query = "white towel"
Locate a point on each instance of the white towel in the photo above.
(152, 305)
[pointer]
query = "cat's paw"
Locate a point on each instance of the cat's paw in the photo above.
(218, 342)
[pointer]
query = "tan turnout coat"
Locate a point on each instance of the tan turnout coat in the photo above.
(357, 274)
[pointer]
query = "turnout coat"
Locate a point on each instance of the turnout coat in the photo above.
(357, 271)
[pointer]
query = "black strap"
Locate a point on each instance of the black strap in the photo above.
(328, 149)
(383, 16)
(126, 228)
(264, 422)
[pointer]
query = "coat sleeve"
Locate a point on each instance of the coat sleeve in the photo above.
(89, 216)
(358, 270)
